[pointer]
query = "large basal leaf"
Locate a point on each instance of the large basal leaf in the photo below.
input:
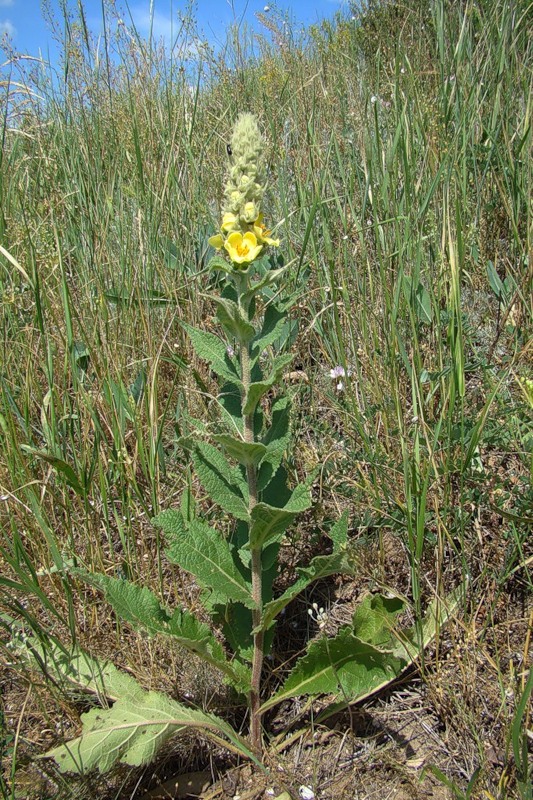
(246, 453)
(409, 642)
(74, 668)
(268, 522)
(353, 669)
(319, 567)
(223, 482)
(374, 620)
(257, 390)
(212, 349)
(344, 666)
(139, 606)
(132, 732)
(204, 553)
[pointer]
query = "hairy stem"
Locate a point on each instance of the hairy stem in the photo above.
(256, 563)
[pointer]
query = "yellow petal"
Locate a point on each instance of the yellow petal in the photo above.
(216, 241)
(228, 222)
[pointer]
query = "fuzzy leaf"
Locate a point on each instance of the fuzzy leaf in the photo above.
(139, 606)
(272, 276)
(133, 732)
(273, 323)
(245, 453)
(74, 667)
(212, 349)
(375, 618)
(404, 645)
(219, 263)
(269, 522)
(277, 439)
(344, 665)
(203, 552)
(230, 403)
(132, 603)
(232, 319)
(224, 483)
(257, 390)
(319, 567)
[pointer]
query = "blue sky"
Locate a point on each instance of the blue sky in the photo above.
(23, 21)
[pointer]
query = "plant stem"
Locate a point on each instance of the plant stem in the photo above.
(256, 563)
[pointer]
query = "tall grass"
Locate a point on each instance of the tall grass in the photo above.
(401, 168)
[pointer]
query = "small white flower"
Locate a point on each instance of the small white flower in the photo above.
(402, 70)
(318, 615)
(266, 9)
(306, 793)
(373, 99)
(340, 386)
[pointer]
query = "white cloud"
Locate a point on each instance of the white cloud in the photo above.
(5, 3)
(7, 27)
(161, 25)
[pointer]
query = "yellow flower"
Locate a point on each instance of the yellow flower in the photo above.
(229, 222)
(242, 249)
(262, 234)
(216, 241)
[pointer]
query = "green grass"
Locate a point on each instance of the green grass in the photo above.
(400, 183)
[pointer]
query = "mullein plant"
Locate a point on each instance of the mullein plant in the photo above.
(241, 469)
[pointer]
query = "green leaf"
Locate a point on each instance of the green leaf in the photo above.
(419, 299)
(199, 639)
(277, 439)
(268, 522)
(224, 483)
(245, 453)
(273, 322)
(219, 263)
(132, 603)
(139, 606)
(203, 552)
(231, 317)
(496, 283)
(132, 732)
(404, 645)
(272, 276)
(230, 404)
(61, 466)
(257, 390)
(319, 567)
(375, 618)
(410, 641)
(344, 666)
(212, 349)
(73, 667)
